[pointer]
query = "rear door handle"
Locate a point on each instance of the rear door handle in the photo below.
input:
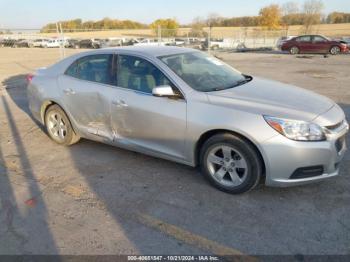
(69, 91)
(119, 103)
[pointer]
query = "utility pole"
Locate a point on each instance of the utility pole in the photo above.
(159, 34)
(58, 37)
(209, 37)
(63, 43)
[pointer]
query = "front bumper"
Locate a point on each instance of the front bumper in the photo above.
(284, 156)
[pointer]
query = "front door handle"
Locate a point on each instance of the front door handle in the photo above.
(69, 91)
(119, 103)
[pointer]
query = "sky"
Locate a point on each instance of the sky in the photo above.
(33, 14)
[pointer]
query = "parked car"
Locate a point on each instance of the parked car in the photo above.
(55, 43)
(111, 42)
(314, 44)
(71, 43)
(22, 43)
(221, 43)
(8, 42)
(130, 41)
(345, 40)
(150, 42)
(282, 40)
(40, 42)
(88, 43)
(184, 105)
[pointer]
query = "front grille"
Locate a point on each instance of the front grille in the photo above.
(305, 172)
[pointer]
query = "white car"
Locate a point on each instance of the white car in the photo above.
(150, 42)
(54, 43)
(40, 42)
(223, 43)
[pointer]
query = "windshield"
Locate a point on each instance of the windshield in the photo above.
(203, 72)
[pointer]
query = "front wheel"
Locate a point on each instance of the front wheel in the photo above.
(230, 163)
(334, 50)
(59, 127)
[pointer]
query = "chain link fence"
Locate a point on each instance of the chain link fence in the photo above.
(215, 38)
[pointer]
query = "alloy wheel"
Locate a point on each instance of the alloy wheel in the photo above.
(335, 50)
(227, 165)
(57, 126)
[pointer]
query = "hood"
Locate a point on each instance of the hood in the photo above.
(266, 97)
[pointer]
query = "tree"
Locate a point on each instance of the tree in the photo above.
(213, 19)
(338, 17)
(270, 17)
(168, 27)
(291, 14)
(197, 27)
(312, 13)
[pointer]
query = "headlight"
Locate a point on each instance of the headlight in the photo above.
(296, 130)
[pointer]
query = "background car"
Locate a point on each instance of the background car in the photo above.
(150, 42)
(40, 42)
(55, 43)
(345, 40)
(7, 42)
(282, 40)
(88, 43)
(111, 42)
(314, 44)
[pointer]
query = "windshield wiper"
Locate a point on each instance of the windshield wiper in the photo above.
(245, 80)
(238, 83)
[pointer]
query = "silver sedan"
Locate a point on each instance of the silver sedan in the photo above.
(183, 105)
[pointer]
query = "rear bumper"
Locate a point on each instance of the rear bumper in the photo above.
(285, 156)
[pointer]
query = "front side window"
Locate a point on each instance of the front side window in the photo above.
(319, 39)
(95, 68)
(138, 74)
(204, 73)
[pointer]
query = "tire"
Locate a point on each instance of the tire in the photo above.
(334, 50)
(59, 127)
(294, 50)
(236, 174)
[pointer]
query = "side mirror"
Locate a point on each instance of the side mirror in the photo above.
(163, 91)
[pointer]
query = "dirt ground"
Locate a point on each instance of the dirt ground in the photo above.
(93, 198)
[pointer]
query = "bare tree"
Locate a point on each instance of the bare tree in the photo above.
(212, 19)
(312, 13)
(290, 8)
(197, 27)
(291, 14)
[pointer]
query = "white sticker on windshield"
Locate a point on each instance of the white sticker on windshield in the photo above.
(215, 61)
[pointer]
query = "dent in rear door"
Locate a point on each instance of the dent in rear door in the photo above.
(87, 104)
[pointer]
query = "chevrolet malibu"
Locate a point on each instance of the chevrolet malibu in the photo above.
(186, 106)
(316, 44)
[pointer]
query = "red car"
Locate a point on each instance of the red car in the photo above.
(314, 44)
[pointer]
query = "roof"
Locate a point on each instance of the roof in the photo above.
(154, 51)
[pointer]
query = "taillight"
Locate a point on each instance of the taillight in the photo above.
(29, 78)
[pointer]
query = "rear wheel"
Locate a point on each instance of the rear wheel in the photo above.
(294, 50)
(230, 163)
(334, 50)
(59, 127)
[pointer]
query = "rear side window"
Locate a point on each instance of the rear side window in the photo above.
(305, 38)
(94, 68)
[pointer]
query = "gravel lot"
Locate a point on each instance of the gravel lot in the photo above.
(96, 199)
